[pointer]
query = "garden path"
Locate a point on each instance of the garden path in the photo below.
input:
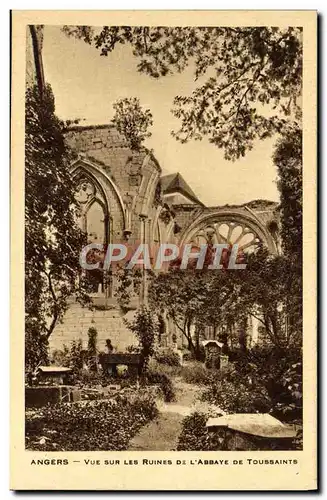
(162, 433)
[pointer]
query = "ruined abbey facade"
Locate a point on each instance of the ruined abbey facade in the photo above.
(125, 198)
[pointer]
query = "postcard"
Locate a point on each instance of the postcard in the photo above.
(163, 250)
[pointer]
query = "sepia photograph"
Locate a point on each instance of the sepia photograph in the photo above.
(163, 238)
(163, 206)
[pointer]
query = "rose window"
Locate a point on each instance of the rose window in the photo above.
(228, 232)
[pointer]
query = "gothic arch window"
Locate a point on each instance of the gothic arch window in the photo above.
(94, 217)
(229, 229)
(94, 221)
(228, 232)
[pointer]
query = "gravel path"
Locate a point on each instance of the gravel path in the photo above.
(162, 433)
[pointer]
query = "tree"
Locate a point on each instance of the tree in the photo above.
(288, 160)
(53, 240)
(262, 291)
(178, 293)
(251, 77)
(132, 121)
(146, 328)
(195, 298)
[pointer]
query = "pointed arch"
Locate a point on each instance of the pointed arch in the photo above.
(83, 166)
(213, 224)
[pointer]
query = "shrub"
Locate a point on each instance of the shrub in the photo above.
(289, 403)
(89, 378)
(277, 372)
(195, 435)
(60, 357)
(187, 355)
(76, 355)
(92, 348)
(145, 327)
(167, 356)
(90, 426)
(197, 373)
(165, 383)
(171, 371)
(238, 397)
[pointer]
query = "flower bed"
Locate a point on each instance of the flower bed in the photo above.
(88, 426)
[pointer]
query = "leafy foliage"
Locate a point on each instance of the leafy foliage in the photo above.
(103, 425)
(88, 378)
(251, 77)
(263, 380)
(128, 284)
(288, 159)
(52, 238)
(76, 356)
(237, 397)
(164, 381)
(132, 121)
(197, 373)
(167, 356)
(267, 291)
(195, 435)
(92, 348)
(145, 326)
(60, 357)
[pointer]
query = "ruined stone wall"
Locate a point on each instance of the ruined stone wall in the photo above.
(108, 323)
(135, 173)
(128, 181)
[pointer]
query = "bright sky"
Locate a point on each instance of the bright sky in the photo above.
(86, 85)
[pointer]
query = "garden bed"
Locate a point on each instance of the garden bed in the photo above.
(88, 426)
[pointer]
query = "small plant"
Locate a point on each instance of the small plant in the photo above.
(87, 378)
(60, 357)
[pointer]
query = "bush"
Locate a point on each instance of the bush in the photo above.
(89, 378)
(145, 326)
(195, 435)
(90, 426)
(187, 355)
(60, 357)
(171, 371)
(289, 403)
(165, 383)
(197, 373)
(238, 397)
(167, 356)
(277, 372)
